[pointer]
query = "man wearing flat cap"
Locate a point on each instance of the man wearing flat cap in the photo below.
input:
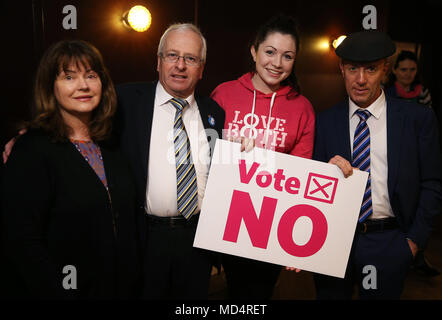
(396, 142)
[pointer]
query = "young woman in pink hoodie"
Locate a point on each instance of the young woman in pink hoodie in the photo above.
(264, 108)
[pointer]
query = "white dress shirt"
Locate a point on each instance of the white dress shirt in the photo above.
(161, 191)
(377, 124)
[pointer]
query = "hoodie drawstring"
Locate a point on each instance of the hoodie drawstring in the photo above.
(253, 106)
(268, 120)
(266, 137)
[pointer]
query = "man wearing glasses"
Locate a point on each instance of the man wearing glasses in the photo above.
(165, 131)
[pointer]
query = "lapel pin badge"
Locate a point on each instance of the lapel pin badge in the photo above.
(211, 120)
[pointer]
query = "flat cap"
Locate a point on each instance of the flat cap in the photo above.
(366, 46)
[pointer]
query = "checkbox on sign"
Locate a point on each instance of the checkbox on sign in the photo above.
(321, 188)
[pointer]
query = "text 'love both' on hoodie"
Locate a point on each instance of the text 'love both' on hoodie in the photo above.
(285, 119)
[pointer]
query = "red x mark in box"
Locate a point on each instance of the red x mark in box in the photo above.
(321, 188)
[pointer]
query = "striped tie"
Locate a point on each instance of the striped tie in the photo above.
(187, 191)
(361, 159)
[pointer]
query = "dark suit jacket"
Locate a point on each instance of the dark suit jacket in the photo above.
(56, 212)
(413, 160)
(134, 124)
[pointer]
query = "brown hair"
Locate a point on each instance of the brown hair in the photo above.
(283, 24)
(46, 110)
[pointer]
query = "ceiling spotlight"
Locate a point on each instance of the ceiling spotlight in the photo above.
(338, 41)
(323, 44)
(137, 18)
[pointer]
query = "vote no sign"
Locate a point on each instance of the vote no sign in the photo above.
(281, 209)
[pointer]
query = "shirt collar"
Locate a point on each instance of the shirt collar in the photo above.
(376, 108)
(163, 97)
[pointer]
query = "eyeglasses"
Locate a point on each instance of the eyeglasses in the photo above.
(189, 60)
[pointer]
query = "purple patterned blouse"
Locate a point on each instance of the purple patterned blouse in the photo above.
(92, 154)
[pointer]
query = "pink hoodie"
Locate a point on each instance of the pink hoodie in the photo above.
(286, 120)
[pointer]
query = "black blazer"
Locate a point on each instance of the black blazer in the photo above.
(413, 160)
(56, 212)
(134, 124)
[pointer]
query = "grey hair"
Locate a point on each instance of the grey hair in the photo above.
(182, 27)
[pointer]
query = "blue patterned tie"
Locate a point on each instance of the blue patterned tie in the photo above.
(187, 190)
(361, 159)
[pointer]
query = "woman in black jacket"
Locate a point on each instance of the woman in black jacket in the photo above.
(69, 215)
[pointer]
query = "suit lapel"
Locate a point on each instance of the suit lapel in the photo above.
(145, 106)
(343, 131)
(203, 112)
(394, 132)
(208, 120)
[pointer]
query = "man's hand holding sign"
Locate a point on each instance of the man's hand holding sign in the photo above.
(279, 208)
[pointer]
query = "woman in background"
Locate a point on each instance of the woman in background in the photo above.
(404, 82)
(264, 108)
(69, 216)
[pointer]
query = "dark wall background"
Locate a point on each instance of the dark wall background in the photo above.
(29, 27)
